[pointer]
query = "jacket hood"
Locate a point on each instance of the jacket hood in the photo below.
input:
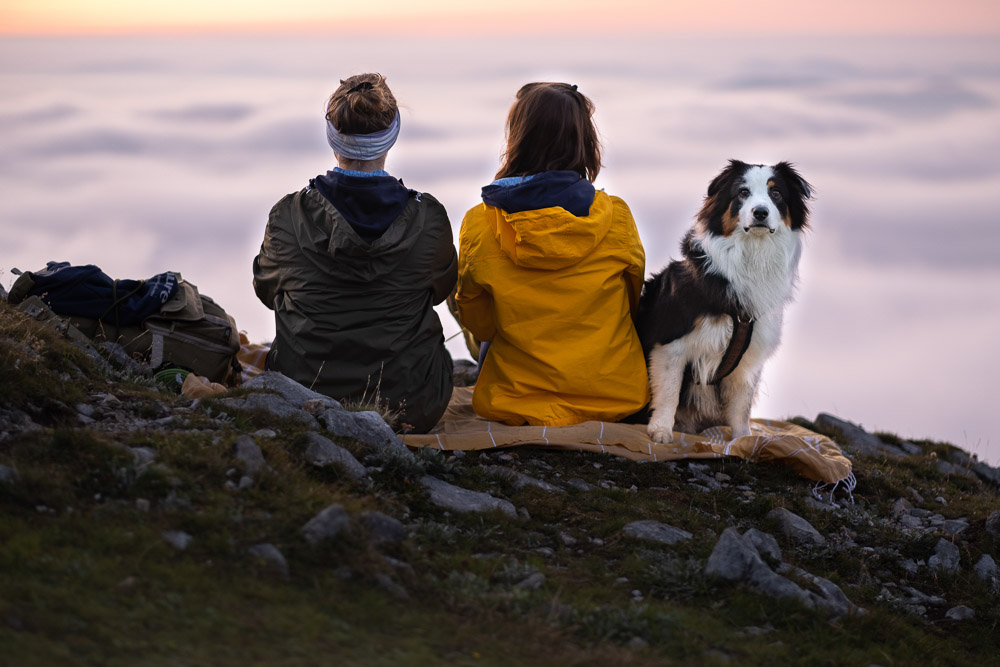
(546, 190)
(369, 204)
(549, 237)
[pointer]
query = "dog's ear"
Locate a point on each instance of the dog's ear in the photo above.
(794, 179)
(734, 168)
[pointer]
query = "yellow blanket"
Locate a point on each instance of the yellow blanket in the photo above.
(810, 454)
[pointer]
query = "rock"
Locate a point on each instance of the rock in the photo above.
(953, 527)
(326, 525)
(765, 544)
(579, 484)
(986, 569)
(993, 525)
(960, 613)
(368, 428)
(8, 476)
(142, 458)
(289, 389)
(857, 439)
(273, 404)
(391, 587)
(142, 504)
(248, 453)
(986, 472)
(520, 480)
(947, 468)
(736, 559)
(322, 452)
(915, 494)
(796, 527)
(382, 527)
(458, 499)
(177, 538)
(271, 554)
(245, 483)
(901, 507)
(946, 557)
(532, 582)
(654, 531)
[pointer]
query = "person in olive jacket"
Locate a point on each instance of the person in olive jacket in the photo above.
(352, 266)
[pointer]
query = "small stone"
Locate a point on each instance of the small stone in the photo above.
(954, 527)
(986, 568)
(567, 539)
(322, 452)
(7, 475)
(993, 525)
(326, 525)
(248, 453)
(532, 582)
(946, 557)
(85, 409)
(264, 433)
(367, 428)
(245, 483)
(177, 538)
(636, 644)
(960, 613)
(382, 527)
(142, 504)
(523, 513)
(765, 544)
(901, 507)
(796, 527)
(579, 484)
(941, 500)
(458, 499)
(654, 531)
(915, 494)
(293, 392)
(271, 554)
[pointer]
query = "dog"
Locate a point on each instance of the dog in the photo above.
(709, 321)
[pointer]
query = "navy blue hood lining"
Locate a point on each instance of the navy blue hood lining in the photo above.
(565, 189)
(369, 203)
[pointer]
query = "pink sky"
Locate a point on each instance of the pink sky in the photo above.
(764, 17)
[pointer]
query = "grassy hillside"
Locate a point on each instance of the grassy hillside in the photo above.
(135, 529)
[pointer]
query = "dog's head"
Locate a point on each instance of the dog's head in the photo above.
(755, 199)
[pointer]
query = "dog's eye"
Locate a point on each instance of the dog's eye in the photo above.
(744, 193)
(775, 195)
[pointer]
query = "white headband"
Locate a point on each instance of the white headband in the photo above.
(363, 146)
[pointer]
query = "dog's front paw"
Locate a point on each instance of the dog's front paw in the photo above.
(660, 432)
(741, 430)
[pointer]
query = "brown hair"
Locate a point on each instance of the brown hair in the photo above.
(551, 127)
(361, 105)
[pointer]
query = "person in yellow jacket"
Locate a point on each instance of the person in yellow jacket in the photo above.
(550, 271)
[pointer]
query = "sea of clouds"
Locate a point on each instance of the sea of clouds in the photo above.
(148, 154)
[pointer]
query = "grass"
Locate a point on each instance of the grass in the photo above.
(87, 578)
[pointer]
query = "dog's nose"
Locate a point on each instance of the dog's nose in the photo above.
(760, 213)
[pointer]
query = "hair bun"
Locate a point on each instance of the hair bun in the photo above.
(364, 85)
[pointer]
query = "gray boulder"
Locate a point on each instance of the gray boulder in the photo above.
(368, 428)
(289, 389)
(326, 525)
(520, 480)
(946, 557)
(322, 452)
(457, 499)
(177, 539)
(654, 531)
(960, 613)
(858, 440)
(273, 404)
(796, 527)
(765, 544)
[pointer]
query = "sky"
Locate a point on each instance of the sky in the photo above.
(143, 151)
(858, 17)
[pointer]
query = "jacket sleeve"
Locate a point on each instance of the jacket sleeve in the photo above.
(266, 266)
(445, 263)
(473, 300)
(635, 271)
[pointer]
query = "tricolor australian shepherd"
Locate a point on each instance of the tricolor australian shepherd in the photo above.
(709, 321)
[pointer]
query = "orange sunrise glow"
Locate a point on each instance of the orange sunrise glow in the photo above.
(895, 17)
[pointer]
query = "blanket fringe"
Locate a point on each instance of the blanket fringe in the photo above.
(850, 483)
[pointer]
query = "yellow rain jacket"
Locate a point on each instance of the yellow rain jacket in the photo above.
(556, 294)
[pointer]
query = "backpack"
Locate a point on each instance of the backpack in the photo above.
(163, 320)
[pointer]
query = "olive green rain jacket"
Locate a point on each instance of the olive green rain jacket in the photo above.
(355, 320)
